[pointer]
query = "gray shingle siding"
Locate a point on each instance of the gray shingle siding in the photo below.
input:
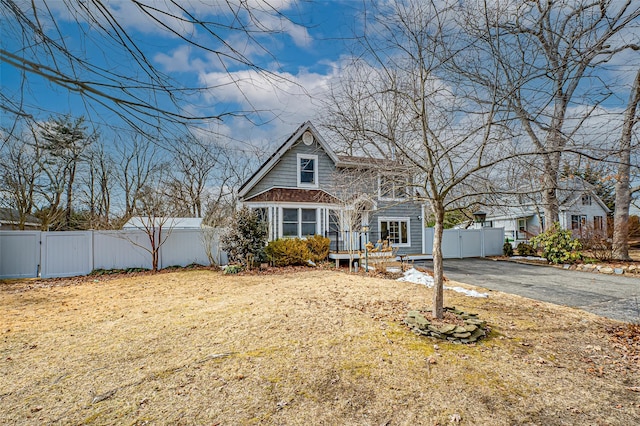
(408, 209)
(284, 174)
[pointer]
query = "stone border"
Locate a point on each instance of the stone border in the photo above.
(473, 330)
(611, 268)
(629, 270)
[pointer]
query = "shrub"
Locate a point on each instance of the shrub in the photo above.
(245, 240)
(525, 249)
(232, 269)
(558, 245)
(507, 249)
(318, 247)
(288, 252)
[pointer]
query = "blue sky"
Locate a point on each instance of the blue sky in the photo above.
(303, 57)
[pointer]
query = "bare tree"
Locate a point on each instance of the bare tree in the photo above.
(233, 169)
(19, 175)
(126, 81)
(623, 181)
(154, 219)
(544, 58)
(97, 180)
(193, 166)
(398, 104)
(355, 191)
(136, 164)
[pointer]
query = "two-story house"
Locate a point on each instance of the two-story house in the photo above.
(581, 210)
(304, 188)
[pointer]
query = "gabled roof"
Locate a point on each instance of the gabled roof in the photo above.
(276, 156)
(12, 216)
(570, 190)
(346, 161)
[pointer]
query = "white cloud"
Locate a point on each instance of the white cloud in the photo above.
(152, 17)
(274, 94)
(280, 100)
(177, 61)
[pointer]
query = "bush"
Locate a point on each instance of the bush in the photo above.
(245, 240)
(318, 247)
(232, 269)
(558, 245)
(525, 249)
(507, 249)
(288, 252)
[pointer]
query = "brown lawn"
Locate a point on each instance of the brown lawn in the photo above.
(298, 348)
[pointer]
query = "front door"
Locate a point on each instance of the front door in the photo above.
(522, 229)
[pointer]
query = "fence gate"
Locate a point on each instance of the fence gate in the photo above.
(19, 254)
(66, 254)
(460, 243)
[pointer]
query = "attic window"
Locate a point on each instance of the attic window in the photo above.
(586, 200)
(392, 187)
(307, 171)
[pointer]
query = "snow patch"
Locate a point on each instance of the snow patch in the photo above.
(529, 258)
(417, 277)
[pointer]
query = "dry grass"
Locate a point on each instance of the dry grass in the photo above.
(315, 347)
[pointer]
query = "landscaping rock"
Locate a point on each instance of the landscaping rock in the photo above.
(470, 332)
(606, 270)
(447, 328)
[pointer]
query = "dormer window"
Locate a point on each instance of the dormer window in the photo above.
(392, 187)
(586, 199)
(307, 171)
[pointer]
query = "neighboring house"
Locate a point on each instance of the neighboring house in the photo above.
(581, 211)
(10, 221)
(141, 222)
(299, 191)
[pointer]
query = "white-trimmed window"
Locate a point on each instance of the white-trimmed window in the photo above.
(598, 223)
(586, 199)
(396, 229)
(578, 221)
(392, 187)
(309, 221)
(307, 171)
(298, 222)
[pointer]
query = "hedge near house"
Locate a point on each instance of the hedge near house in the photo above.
(295, 251)
(288, 252)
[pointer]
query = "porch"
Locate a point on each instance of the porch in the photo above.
(373, 259)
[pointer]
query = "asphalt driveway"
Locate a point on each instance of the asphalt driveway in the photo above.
(611, 296)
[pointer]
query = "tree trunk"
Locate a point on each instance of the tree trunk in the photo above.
(551, 207)
(72, 176)
(623, 189)
(154, 246)
(438, 270)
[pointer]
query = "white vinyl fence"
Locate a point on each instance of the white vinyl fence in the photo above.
(30, 254)
(459, 243)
